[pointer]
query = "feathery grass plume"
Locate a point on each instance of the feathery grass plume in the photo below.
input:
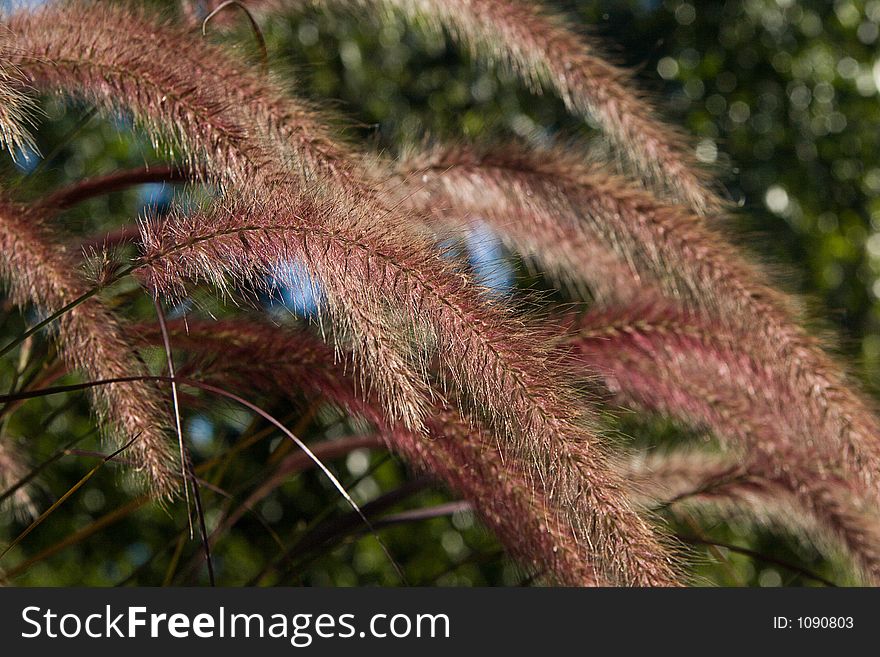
(717, 486)
(675, 364)
(345, 238)
(40, 271)
(704, 375)
(272, 143)
(576, 261)
(235, 134)
(239, 245)
(265, 357)
(75, 49)
(13, 468)
(224, 132)
(690, 262)
(17, 109)
(542, 49)
(522, 515)
(502, 367)
(449, 186)
(357, 217)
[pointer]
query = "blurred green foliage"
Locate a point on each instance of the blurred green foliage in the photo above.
(782, 100)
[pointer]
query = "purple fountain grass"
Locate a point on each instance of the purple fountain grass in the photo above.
(448, 206)
(574, 482)
(264, 357)
(17, 109)
(510, 381)
(274, 112)
(73, 60)
(575, 260)
(40, 271)
(465, 386)
(488, 352)
(74, 49)
(689, 261)
(723, 486)
(706, 376)
(453, 185)
(526, 520)
(538, 46)
(671, 362)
